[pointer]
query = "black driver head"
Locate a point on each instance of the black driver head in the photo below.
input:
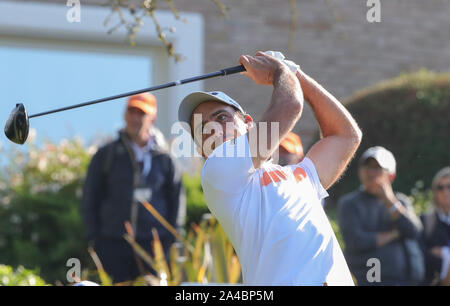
(17, 126)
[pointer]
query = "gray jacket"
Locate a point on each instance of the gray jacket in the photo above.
(361, 216)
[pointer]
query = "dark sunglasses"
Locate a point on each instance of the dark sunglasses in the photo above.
(442, 187)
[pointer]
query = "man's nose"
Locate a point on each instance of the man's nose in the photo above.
(137, 116)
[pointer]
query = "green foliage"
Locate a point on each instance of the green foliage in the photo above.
(409, 116)
(331, 212)
(40, 222)
(421, 198)
(195, 201)
(19, 277)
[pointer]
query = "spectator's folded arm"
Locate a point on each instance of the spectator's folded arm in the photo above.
(356, 238)
(408, 224)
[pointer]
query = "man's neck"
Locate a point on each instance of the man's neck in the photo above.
(140, 140)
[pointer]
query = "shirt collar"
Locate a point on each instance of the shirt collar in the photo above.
(443, 217)
(139, 152)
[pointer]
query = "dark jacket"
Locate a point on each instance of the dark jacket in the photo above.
(108, 193)
(361, 216)
(436, 234)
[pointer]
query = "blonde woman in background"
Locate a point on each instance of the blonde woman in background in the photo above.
(436, 234)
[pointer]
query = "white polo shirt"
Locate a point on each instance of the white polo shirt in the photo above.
(274, 218)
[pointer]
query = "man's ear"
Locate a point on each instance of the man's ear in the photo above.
(248, 121)
(153, 118)
(392, 177)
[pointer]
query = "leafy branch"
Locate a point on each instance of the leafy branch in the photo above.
(139, 9)
(147, 8)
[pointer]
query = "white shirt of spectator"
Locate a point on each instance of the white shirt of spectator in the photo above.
(443, 217)
(274, 218)
(142, 154)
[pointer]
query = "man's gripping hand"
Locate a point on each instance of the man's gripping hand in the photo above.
(262, 68)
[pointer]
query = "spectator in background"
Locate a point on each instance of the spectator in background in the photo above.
(290, 150)
(378, 223)
(436, 234)
(134, 166)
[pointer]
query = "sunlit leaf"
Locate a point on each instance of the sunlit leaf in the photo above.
(160, 258)
(140, 251)
(104, 277)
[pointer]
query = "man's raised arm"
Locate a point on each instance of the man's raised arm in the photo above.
(341, 135)
(285, 106)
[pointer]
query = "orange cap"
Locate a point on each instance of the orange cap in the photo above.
(146, 102)
(293, 144)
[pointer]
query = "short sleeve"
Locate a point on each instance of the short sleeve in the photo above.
(230, 166)
(310, 170)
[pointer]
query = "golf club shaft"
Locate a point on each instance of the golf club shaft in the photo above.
(223, 72)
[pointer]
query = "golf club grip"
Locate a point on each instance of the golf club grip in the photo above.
(232, 70)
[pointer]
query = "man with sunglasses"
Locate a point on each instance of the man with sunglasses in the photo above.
(378, 223)
(436, 234)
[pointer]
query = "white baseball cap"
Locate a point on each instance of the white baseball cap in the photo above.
(383, 157)
(191, 101)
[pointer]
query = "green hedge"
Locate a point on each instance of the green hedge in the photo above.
(409, 115)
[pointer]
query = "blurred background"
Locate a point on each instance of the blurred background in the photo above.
(392, 75)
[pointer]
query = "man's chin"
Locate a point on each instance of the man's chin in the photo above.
(208, 151)
(217, 143)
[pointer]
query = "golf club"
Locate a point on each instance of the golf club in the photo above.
(17, 125)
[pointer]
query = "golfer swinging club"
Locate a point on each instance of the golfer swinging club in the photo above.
(272, 214)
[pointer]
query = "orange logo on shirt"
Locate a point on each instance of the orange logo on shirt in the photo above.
(299, 174)
(278, 175)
